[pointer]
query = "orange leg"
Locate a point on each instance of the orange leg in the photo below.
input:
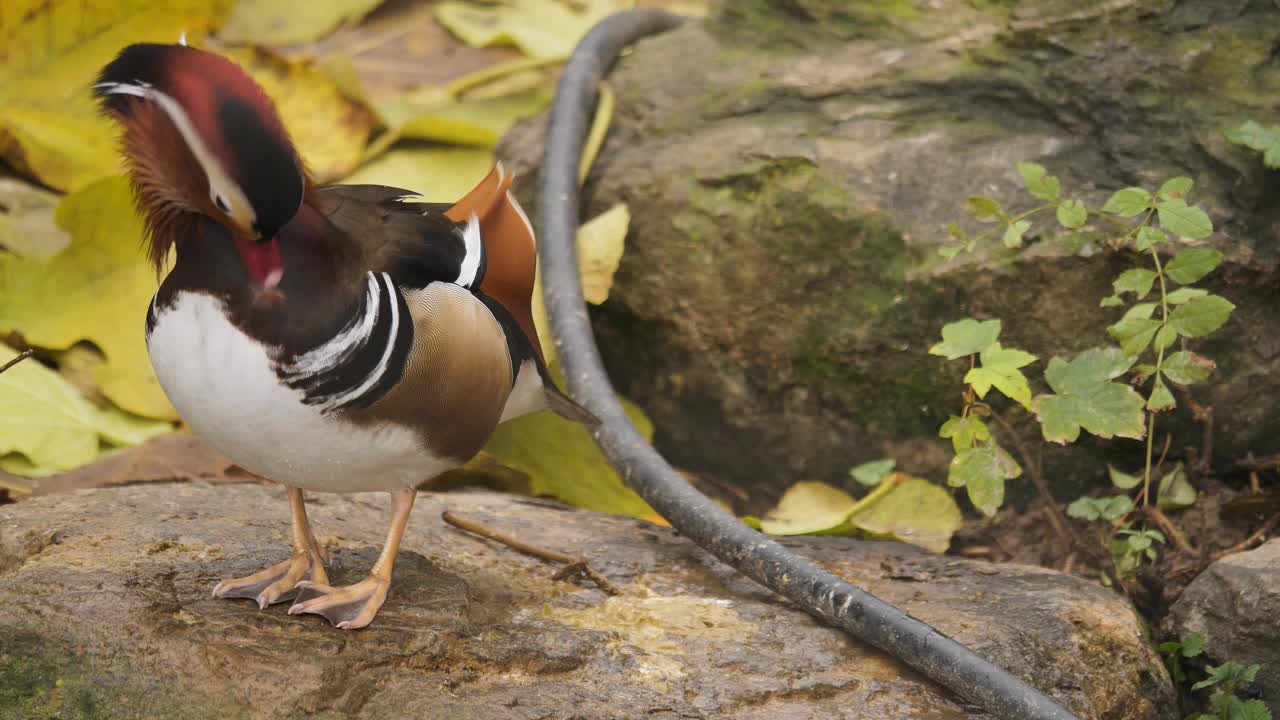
(274, 583)
(354, 606)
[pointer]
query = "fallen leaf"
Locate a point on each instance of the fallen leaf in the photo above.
(50, 128)
(97, 289)
(540, 28)
(439, 174)
(562, 461)
(329, 128)
(916, 511)
(480, 122)
(48, 425)
(809, 508)
(275, 24)
(601, 242)
(166, 458)
(26, 220)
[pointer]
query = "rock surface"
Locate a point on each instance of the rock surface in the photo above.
(1235, 605)
(781, 285)
(105, 612)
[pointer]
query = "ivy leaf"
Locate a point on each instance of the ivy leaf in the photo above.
(1086, 398)
(1200, 316)
(1135, 330)
(1255, 137)
(965, 432)
(966, 337)
(1179, 218)
(1161, 398)
(1013, 234)
(1192, 264)
(1128, 202)
(1175, 188)
(1182, 295)
(1039, 182)
(870, 473)
(1137, 281)
(1164, 337)
(1149, 237)
(1123, 480)
(1000, 369)
(982, 471)
(984, 209)
(1187, 368)
(1175, 490)
(1072, 214)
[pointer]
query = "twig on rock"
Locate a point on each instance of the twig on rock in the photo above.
(1266, 529)
(1157, 515)
(14, 361)
(573, 566)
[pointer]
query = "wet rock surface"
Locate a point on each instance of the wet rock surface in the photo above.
(105, 611)
(1235, 605)
(791, 169)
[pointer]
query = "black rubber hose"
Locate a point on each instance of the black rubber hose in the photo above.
(819, 592)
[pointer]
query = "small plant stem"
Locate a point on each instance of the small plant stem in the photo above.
(15, 360)
(886, 486)
(1157, 515)
(1151, 414)
(1266, 529)
(1056, 518)
(573, 565)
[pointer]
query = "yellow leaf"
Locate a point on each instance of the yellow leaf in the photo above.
(916, 512)
(601, 242)
(97, 289)
(329, 129)
(439, 174)
(49, 55)
(808, 508)
(540, 28)
(26, 225)
(46, 425)
(276, 24)
(470, 122)
(562, 460)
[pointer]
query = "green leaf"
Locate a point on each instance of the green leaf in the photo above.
(1149, 237)
(982, 471)
(984, 209)
(1182, 295)
(1086, 398)
(1192, 264)
(1000, 369)
(540, 28)
(1175, 188)
(1134, 333)
(1137, 281)
(1175, 490)
(1111, 301)
(1140, 311)
(44, 419)
(1039, 183)
(1192, 645)
(1013, 234)
(1187, 368)
(1254, 709)
(965, 432)
(1161, 398)
(1072, 214)
(1106, 508)
(966, 337)
(915, 511)
(1164, 337)
(950, 251)
(1255, 137)
(1200, 316)
(1181, 219)
(807, 508)
(871, 473)
(1123, 480)
(1128, 202)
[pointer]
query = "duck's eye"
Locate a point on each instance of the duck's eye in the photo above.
(221, 203)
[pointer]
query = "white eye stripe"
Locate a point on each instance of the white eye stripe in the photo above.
(220, 184)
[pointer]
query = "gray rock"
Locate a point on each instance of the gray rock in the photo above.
(791, 169)
(105, 612)
(1235, 605)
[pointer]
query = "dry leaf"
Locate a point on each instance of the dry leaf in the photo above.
(26, 220)
(167, 458)
(271, 23)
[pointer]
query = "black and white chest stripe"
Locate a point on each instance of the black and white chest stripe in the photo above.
(364, 360)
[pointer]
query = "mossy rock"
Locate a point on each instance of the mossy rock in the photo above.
(781, 284)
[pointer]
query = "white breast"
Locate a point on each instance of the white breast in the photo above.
(224, 385)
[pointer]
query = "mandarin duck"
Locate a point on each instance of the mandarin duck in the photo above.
(332, 338)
